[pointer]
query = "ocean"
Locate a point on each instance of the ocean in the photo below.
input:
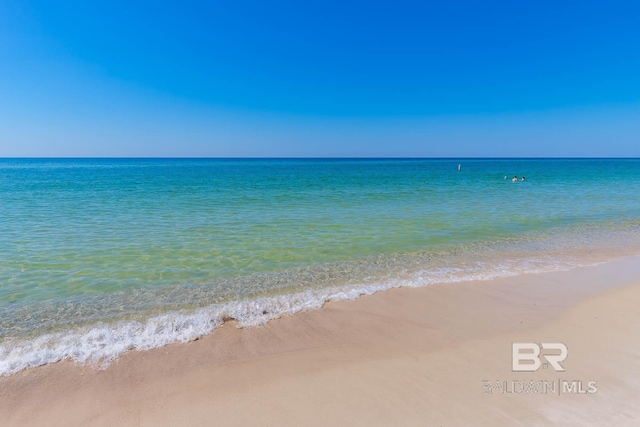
(103, 256)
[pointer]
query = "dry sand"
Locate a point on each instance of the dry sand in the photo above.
(401, 357)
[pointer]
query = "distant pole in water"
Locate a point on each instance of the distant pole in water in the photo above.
(459, 166)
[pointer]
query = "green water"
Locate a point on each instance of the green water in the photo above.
(73, 227)
(88, 240)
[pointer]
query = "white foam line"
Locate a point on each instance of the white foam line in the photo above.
(103, 343)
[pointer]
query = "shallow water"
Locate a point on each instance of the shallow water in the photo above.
(100, 256)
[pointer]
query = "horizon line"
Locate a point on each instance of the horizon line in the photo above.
(312, 157)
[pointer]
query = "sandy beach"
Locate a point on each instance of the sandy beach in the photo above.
(408, 356)
(326, 214)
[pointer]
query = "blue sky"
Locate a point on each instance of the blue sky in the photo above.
(245, 78)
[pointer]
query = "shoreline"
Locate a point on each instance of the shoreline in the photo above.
(402, 352)
(102, 342)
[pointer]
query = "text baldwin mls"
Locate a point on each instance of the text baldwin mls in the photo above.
(526, 358)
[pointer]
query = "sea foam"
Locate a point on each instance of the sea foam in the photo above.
(102, 343)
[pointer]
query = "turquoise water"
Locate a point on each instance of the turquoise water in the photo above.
(146, 243)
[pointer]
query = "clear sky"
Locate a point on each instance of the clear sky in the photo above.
(345, 78)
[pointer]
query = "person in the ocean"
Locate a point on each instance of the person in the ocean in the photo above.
(522, 179)
(514, 179)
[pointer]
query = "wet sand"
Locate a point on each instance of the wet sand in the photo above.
(425, 356)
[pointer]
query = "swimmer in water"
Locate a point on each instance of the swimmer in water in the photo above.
(514, 179)
(522, 179)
